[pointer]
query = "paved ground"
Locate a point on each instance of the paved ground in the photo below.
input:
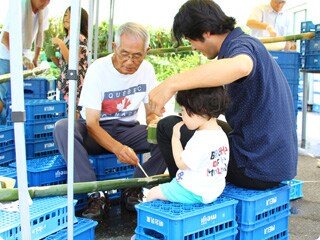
(304, 222)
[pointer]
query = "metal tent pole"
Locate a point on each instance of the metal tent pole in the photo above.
(18, 115)
(90, 31)
(72, 76)
(96, 31)
(110, 32)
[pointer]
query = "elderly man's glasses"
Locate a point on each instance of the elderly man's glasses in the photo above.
(135, 57)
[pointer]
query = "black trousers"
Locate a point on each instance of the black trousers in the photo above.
(235, 175)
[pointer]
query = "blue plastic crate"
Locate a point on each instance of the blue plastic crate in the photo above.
(41, 148)
(307, 26)
(295, 188)
(312, 62)
(313, 46)
(34, 88)
(39, 130)
(46, 171)
(275, 229)
(286, 59)
(291, 74)
(107, 166)
(256, 206)
(82, 230)
(47, 216)
(7, 155)
(6, 136)
(168, 220)
(8, 172)
(43, 110)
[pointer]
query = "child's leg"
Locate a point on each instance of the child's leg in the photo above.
(155, 193)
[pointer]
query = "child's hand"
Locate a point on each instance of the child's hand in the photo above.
(176, 130)
(56, 41)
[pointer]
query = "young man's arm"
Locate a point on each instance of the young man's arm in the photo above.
(212, 74)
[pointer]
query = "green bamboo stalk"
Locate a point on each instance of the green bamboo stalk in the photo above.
(26, 73)
(11, 194)
(308, 35)
(158, 51)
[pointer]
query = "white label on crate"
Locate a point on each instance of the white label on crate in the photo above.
(39, 229)
(48, 126)
(60, 173)
(269, 229)
(48, 145)
(1, 157)
(206, 219)
(155, 221)
(2, 136)
(271, 201)
(49, 108)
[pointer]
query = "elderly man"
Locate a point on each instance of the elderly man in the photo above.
(114, 87)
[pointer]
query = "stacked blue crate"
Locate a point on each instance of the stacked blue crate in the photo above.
(107, 167)
(37, 88)
(45, 171)
(47, 216)
(289, 63)
(7, 146)
(168, 220)
(295, 188)
(82, 230)
(310, 52)
(261, 214)
(41, 115)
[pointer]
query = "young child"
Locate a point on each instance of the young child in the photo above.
(204, 161)
(63, 61)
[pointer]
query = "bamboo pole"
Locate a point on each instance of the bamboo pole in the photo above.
(11, 194)
(157, 51)
(307, 35)
(26, 73)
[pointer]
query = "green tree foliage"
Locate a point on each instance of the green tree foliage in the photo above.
(165, 64)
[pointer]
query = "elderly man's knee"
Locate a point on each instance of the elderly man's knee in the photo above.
(61, 127)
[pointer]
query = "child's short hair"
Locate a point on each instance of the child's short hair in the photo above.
(206, 102)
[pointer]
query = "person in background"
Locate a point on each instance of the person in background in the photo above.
(34, 22)
(114, 88)
(203, 162)
(260, 120)
(270, 20)
(63, 61)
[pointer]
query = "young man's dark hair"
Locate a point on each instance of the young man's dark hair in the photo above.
(198, 17)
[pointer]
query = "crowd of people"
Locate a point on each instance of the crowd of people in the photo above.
(255, 147)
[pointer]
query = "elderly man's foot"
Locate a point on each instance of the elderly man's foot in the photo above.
(131, 197)
(98, 206)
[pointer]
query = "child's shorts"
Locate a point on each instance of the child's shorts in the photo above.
(174, 192)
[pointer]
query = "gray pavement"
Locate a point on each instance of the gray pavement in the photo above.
(304, 222)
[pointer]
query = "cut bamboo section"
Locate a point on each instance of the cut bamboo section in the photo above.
(26, 73)
(84, 187)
